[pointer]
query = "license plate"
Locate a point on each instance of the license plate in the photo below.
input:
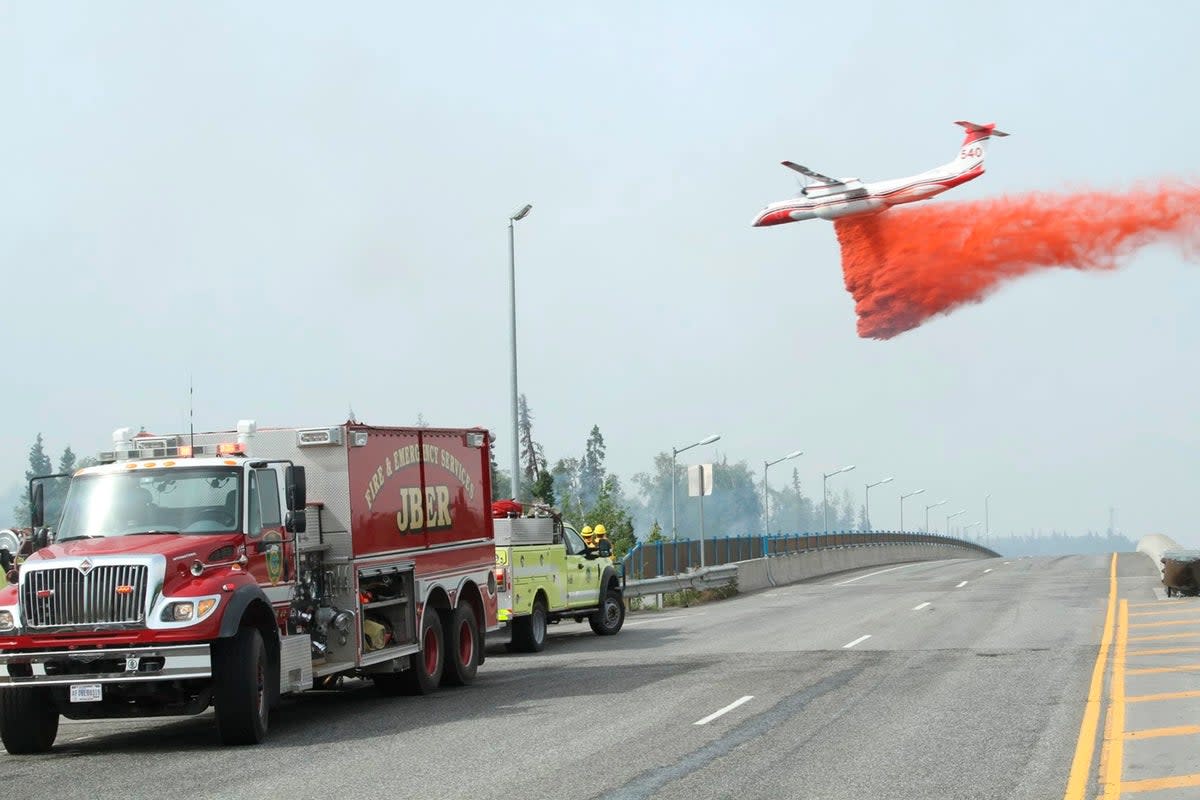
(86, 693)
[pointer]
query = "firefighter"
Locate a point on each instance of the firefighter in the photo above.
(598, 533)
(586, 533)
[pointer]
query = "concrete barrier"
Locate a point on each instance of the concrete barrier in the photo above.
(761, 573)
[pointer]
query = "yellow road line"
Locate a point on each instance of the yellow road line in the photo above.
(1114, 742)
(1160, 670)
(1163, 651)
(1170, 623)
(1152, 784)
(1157, 603)
(1164, 637)
(1164, 613)
(1085, 746)
(1154, 733)
(1167, 623)
(1154, 698)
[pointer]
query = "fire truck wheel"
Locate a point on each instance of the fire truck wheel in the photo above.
(609, 618)
(460, 632)
(241, 691)
(28, 720)
(424, 672)
(529, 633)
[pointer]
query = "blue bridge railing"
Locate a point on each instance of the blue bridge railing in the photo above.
(652, 559)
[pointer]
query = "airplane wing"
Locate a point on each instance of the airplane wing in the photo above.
(806, 171)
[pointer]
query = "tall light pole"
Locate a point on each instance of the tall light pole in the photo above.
(766, 492)
(825, 476)
(987, 529)
(512, 341)
(952, 516)
(675, 451)
(867, 499)
(968, 527)
(903, 497)
(932, 505)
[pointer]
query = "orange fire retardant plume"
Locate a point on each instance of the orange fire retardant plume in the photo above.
(906, 265)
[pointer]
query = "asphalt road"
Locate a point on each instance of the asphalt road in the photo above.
(954, 679)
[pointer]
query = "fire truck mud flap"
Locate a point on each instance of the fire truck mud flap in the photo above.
(111, 665)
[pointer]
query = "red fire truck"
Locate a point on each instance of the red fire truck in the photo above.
(227, 569)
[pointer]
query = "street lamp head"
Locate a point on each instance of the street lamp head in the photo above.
(888, 479)
(847, 468)
(520, 215)
(796, 454)
(710, 439)
(910, 494)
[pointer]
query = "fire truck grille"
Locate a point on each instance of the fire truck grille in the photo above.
(105, 595)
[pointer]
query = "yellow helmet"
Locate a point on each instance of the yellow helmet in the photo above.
(587, 530)
(600, 531)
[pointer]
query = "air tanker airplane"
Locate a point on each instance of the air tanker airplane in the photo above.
(831, 198)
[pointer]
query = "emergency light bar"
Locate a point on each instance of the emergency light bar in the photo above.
(179, 451)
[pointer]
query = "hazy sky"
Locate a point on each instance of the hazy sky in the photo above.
(305, 209)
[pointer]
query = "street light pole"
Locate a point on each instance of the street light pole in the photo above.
(766, 492)
(512, 341)
(952, 516)
(933, 505)
(987, 528)
(825, 476)
(867, 500)
(903, 497)
(675, 451)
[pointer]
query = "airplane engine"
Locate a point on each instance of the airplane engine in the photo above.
(854, 208)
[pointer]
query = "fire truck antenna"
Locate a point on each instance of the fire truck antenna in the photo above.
(191, 413)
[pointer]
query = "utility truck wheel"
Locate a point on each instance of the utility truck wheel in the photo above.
(609, 618)
(241, 687)
(529, 633)
(424, 672)
(461, 635)
(28, 720)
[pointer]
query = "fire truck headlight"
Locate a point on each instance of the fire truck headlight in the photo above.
(179, 612)
(7, 623)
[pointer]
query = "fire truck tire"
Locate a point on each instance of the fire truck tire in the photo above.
(609, 618)
(460, 632)
(28, 720)
(241, 688)
(529, 633)
(424, 672)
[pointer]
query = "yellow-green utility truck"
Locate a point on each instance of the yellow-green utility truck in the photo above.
(545, 572)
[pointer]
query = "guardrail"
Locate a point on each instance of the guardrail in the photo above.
(653, 559)
(704, 578)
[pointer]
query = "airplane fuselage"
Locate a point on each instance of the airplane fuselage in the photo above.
(880, 196)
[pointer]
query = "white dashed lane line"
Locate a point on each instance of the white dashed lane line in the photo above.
(724, 710)
(964, 583)
(859, 640)
(880, 572)
(918, 608)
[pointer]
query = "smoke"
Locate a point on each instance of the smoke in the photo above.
(907, 265)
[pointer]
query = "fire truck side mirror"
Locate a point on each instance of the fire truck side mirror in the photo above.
(296, 522)
(293, 479)
(37, 505)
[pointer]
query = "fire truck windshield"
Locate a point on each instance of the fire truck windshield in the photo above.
(176, 500)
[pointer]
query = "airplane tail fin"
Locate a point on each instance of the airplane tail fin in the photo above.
(974, 146)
